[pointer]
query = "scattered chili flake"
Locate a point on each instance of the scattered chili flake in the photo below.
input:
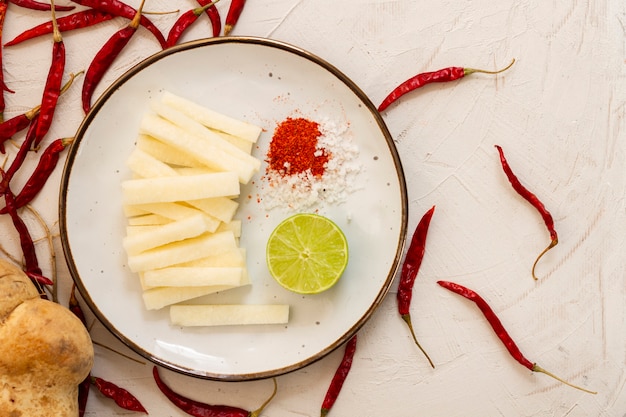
(294, 148)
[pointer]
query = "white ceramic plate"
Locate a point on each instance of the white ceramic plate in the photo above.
(262, 81)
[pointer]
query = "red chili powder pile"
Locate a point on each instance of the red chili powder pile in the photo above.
(294, 148)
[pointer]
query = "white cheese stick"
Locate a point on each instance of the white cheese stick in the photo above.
(221, 208)
(148, 220)
(134, 230)
(174, 211)
(132, 211)
(243, 281)
(204, 151)
(228, 314)
(179, 188)
(194, 170)
(233, 225)
(177, 211)
(232, 257)
(213, 119)
(157, 298)
(194, 127)
(183, 251)
(241, 143)
(193, 276)
(216, 212)
(166, 153)
(172, 232)
(144, 165)
(138, 229)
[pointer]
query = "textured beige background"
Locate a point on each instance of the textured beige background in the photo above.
(559, 113)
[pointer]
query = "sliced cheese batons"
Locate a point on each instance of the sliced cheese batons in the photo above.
(181, 238)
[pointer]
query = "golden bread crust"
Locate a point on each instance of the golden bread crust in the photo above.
(46, 351)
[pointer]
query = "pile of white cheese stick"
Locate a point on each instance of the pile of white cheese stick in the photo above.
(182, 238)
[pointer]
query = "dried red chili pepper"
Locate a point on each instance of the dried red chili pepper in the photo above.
(52, 88)
(500, 331)
(74, 306)
(535, 202)
(20, 156)
(234, 11)
(106, 55)
(121, 9)
(214, 17)
(184, 21)
(10, 127)
(46, 165)
(439, 76)
(83, 387)
(410, 268)
(37, 5)
(16, 124)
(74, 21)
(31, 263)
(3, 86)
(122, 397)
(340, 377)
(39, 278)
(83, 395)
(26, 241)
(200, 409)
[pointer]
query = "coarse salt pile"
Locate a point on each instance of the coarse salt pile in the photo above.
(312, 188)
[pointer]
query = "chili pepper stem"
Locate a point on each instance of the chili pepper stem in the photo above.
(56, 33)
(96, 343)
(468, 71)
(552, 244)
(137, 19)
(69, 82)
(199, 10)
(258, 411)
(537, 368)
(160, 13)
(32, 112)
(407, 319)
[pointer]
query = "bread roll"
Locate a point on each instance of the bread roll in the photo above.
(45, 351)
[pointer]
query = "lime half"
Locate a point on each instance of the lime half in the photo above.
(307, 253)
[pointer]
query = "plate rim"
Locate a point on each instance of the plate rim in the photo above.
(200, 43)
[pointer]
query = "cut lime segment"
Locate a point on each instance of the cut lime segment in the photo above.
(307, 253)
